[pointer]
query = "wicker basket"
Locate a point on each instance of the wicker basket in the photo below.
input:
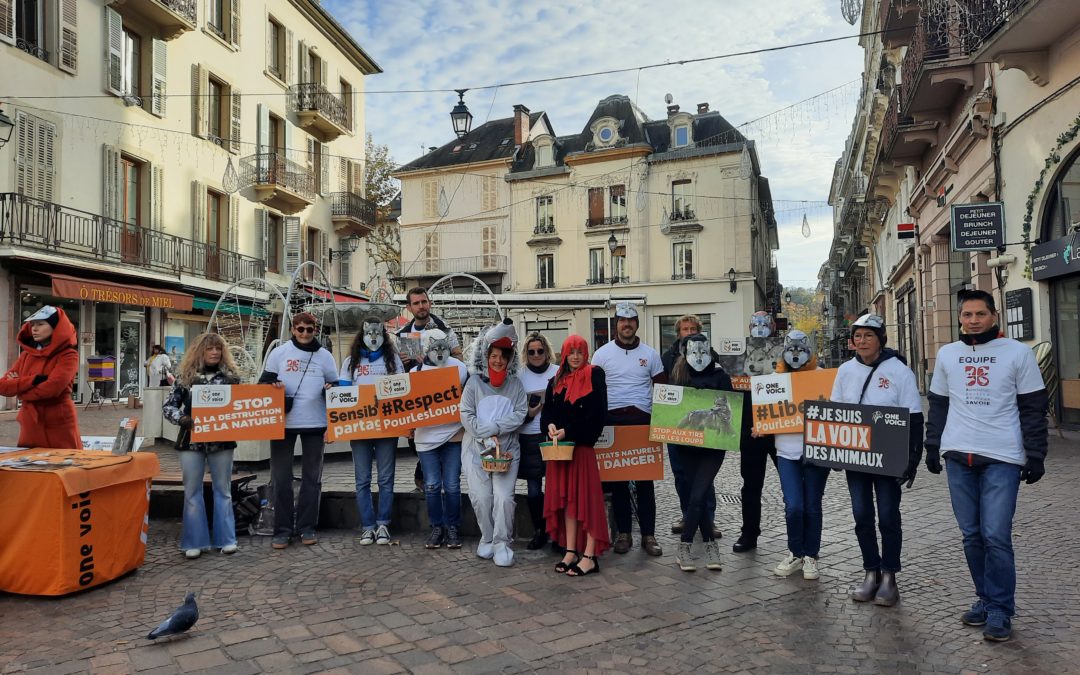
(496, 464)
(554, 451)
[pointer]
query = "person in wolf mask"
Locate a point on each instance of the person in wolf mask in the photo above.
(696, 368)
(372, 355)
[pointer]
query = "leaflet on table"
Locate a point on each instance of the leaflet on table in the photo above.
(778, 399)
(237, 412)
(393, 405)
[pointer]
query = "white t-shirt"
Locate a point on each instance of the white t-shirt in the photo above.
(629, 374)
(309, 402)
(982, 383)
(893, 384)
(429, 438)
(535, 383)
(367, 371)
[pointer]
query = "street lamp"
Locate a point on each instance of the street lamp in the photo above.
(349, 245)
(787, 298)
(6, 127)
(460, 115)
(731, 280)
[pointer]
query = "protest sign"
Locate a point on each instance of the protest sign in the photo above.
(352, 412)
(705, 418)
(626, 453)
(419, 399)
(865, 438)
(758, 356)
(778, 399)
(237, 412)
(410, 346)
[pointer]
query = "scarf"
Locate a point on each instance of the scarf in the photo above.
(371, 356)
(574, 384)
(539, 370)
(497, 378)
(982, 338)
(312, 346)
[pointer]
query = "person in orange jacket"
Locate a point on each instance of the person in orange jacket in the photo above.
(42, 379)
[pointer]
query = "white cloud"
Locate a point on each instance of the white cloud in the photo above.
(427, 44)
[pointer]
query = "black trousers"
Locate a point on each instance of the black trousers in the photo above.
(753, 460)
(620, 490)
(306, 514)
(701, 466)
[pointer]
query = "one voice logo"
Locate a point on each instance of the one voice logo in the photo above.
(342, 397)
(393, 386)
(212, 395)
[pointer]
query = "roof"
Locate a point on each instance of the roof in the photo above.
(337, 33)
(491, 140)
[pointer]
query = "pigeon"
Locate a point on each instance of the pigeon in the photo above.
(179, 621)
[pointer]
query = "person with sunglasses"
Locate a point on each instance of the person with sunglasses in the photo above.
(305, 369)
(539, 369)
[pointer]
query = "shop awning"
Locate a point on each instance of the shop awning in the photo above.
(99, 290)
(338, 295)
(246, 309)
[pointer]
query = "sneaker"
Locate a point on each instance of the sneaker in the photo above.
(436, 538)
(712, 555)
(684, 558)
(367, 537)
(279, 543)
(677, 526)
(998, 628)
(809, 568)
(382, 535)
(539, 540)
(792, 563)
(453, 537)
(976, 616)
(308, 539)
(623, 542)
(485, 550)
(229, 549)
(192, 553)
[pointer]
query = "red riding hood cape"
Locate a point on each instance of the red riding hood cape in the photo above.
(47, 417)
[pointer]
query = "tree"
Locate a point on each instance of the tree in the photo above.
(380, 188)
(804, 310)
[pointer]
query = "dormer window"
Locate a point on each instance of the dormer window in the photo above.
(545, 151)
(680, 126)
(605, 132)
(682, 135)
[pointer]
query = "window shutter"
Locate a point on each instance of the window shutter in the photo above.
(357, 178)
(234, 223)
(157, 198)
(261, 221)
(302, 66)
(24, 152)
(343, 174)
(110, 200)
(200, 89)
(114, 57)
(292, 244)
(345, 272)
(431, 198)
(324, 170)
(309, 159)
(234, 127)
(69, 36)
(198, 215)
(157, 85)
(234, 22)
(324, 252)
(287, 75)
(7, 21)
(46, 167)
(288, 138)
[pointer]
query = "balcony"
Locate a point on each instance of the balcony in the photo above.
(278, 182)
(544, 233)
(898, 21)
(477, 264)
(1019, 33)
(935, 71)
(681, 221)
(688, 276)
(170, 18)
(319, 112)
(903, 140)
(59, 230)
(352, 214)
(601, 280)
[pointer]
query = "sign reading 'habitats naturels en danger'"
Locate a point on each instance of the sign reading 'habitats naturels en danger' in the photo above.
(237, 412)
(626, 453)
(865, 438)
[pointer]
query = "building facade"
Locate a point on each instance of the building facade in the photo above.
(165, 150)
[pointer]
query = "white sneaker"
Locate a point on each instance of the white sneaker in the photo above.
(367, 537)
(504, 555)
(809, 568)
(229, 549)
(712, 556)
(791, 564)
(485, 550)
(382, 536)
(192, 553)
(684, 558)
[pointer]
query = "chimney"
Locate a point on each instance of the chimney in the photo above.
(672, 109)
(702, 108)
(521, 124)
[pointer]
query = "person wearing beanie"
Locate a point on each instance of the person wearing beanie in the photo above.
(987, 418)
(878, 376)
(42, 379)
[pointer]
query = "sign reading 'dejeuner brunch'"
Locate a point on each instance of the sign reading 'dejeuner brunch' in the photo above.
(978, 227)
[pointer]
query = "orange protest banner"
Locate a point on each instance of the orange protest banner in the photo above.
(353, 412)
(237, 412)
(419, 399)
(626, 453)
(778, 399)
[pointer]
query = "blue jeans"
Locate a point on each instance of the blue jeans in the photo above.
(683, 483)
(984, 501)
(381, 450)
(863, 487)
(196, 532)
(442, 483)
(803, 486)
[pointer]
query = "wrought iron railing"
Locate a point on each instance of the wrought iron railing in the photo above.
(185, 8)
(545, 226)
(686, 213)
(352, 205)
(54, 228)
(271, 168)
(314, 96)
(934, 40)
(32, 48)
(606, 221)
(985, 17)
(601, 280)
(476, 264)
(678, 277)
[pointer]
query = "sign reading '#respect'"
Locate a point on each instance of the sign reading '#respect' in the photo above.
(626, 453)
(865, 438)
(237, 412)
(393, 405)
(778, 399)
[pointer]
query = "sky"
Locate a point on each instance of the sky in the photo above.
(452, 44)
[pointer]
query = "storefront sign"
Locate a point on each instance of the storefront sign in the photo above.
(1019, 317)
(857, 437)
(100, 291)
(626, 453)
(779, 399)
(237, 412)
(978, 227)
(1056, 258)
(704, 418)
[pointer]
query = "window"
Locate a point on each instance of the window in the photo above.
(596, 206)
(682, 135)
(681, 198)
(617, 203)
(431, 198)
(312, 245)
(314, 67)
(667, 329)
(216, 231)
(223, 20)
(596, 266)
(544, 156)
(130, 215)
(545, 271)
(545, 215)
(131, 68)
(618, 266)
(491, 248)
(35, 168)
(347, 99)
(682, 258)
(216, 18)
(276, 135)
(29, 26)
(489, 193)
(215, 96)
(431, 252)
(273, 242)
(275, 49)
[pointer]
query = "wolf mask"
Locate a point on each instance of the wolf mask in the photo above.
(696, 351)
(436, 347)
(761, 324)
(797, 351)
(373, 335)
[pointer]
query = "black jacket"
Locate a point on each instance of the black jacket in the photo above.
(582, 420)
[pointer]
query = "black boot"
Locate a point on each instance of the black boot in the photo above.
(865, 592)
(744, 544)
(887, 593)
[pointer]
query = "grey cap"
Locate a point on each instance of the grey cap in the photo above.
(626, 310)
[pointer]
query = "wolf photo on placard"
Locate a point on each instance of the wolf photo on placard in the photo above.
(705, 418)
(762, 354)
(717, 418)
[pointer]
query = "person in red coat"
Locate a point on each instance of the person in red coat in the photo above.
(42, 378)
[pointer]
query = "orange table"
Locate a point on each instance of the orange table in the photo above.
(75, 522)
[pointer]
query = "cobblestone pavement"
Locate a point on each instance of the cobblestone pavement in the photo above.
(337, 607)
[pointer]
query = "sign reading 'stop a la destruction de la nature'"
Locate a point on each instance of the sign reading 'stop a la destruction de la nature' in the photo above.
(978, 227)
